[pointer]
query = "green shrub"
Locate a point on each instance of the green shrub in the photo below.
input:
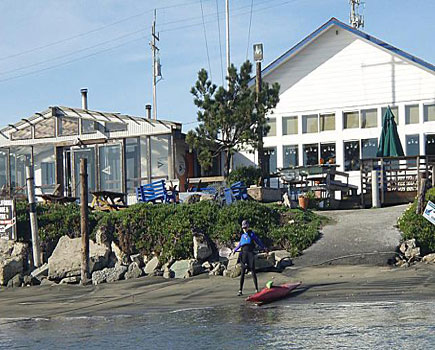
(416, 226)
(248, 174)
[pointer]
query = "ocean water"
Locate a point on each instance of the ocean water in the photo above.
(383, 325)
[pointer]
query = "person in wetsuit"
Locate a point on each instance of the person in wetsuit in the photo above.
(247, 257)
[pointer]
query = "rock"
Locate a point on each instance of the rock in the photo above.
(40, 272)
(201, 247)
(224, 252)
(47, 282)
(410, 250)
(206, 197)
(102, 238)
(152, 265)
(217, 270)
(13, 256)
(138, 259)
(282, 259)
(66, 258)
(70, 280)
(207, 266)
(168, 273)
(134, 271)
(234, 269)
(264, 261)
(116, 273)
(430, 258)
(186, 268)
(194, 198)
(99, 277)
(15, 281)
(121, 257)
(28, 280)
(157, 273)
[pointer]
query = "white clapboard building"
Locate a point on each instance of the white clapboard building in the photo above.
(335, 86)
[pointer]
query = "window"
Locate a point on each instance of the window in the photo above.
(88, 126)
(3, 168)
(395, 111)
(115, 126)
(68, 126)
(429, 113)
(430, 145)
(48, 171)
(369, 148)
(351, 120)
(411, 114)
(22, 134)
(369, 118)
(311, 154)
(45, 128)
(310, 124)
(289, 125)
(272, 124)
(290, 156)
(351, 155)
(271, 154)
(110, 168)
(412, 145)
(132, 160)
(327, 122)
(327, 153)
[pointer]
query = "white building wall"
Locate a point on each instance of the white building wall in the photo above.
(340, 72)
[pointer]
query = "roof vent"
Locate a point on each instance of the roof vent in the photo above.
(84, 98)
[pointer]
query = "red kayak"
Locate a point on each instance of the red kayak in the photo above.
(268, 295)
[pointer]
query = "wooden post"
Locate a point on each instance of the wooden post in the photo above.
(84, 225)
(375, 190)
(33, 218)
(382, 181)
(421, 195)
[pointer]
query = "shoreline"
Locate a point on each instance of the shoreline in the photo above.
(325, 284)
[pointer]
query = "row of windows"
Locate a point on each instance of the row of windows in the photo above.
(66, 127)
(366, 118)
(325, 153)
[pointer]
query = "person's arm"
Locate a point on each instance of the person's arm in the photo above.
(258, 241)
(237, 248)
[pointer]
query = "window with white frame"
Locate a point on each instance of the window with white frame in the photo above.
(290, 125)
(429, 112)
(412, 145)
(327, 121)
(394, 110)
(351, 155)
(369, 118)
(369, 148)
(271, 122)
(311, 154)
(270, 153)
(350, 120)
(327, 153)
(310, 123)
(430, 145)
(412, 114)
(89, 126)
(290, 156)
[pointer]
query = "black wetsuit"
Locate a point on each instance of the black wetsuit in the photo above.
(247, 259)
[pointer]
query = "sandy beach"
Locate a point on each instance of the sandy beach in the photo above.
(333, 283)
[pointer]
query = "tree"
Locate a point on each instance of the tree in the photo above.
(229, 118)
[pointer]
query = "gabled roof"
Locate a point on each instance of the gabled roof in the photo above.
(333, 21)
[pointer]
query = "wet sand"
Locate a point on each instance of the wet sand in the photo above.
(334, 283)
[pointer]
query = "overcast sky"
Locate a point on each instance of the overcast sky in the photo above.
(51, 49)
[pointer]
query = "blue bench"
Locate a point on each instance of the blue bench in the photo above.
(239, 190)
(155, 191)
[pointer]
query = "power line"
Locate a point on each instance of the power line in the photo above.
(220, 43)
(206, 43)
(249, 30)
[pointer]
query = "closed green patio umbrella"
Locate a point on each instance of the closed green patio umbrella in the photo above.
(389, 143)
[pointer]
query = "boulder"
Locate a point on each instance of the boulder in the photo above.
(40, 272)
(152, 265)
(116, 273)
(217, 270)
(70, 280)
(410, 250)
(121, 257)
(102, 237)
(264, 261)
(138, 259)
(234, 269)
(47, 282)
(430, 258)
(207, 266)
(282, 259)
(28, 280)
(99, 277)
(201, 247)
(13, 256)
(134, 271)
(66, 258)
(15, 281)
(186, 268)
(168, 273)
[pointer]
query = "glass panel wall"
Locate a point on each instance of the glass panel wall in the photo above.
(351, 120)
(327, 122)
(429, 113)
(45, 172)
(271, 154)
(132, 160)
(159, 156)
(22, 134)
(68, 126)
(369, 147)
(45, 128)
(110, 168)
(289, 125)
(327, 153)
(271, 122)
(89, 126)
(115, 126)
(3, 170)
(89, 154)
(310, 124)
(311, 154)
(143, 160)
(290, 156)
(395, 111)
(411, 114)
(351, 155)
(430, 145)
(20, 157)
(369, 118)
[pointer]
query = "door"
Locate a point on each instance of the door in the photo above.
(89, 154)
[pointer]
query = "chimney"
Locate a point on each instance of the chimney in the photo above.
(84, 98)
(148, 109)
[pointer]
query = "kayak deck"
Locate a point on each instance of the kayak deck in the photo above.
(268, 295)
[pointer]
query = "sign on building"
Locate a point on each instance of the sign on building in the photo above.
(429, 212)
(7, 219)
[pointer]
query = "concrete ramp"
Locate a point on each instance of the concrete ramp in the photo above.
(360, 236)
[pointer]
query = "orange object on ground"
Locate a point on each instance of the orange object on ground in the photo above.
(268, 295)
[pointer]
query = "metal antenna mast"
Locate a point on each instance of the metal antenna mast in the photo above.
(356, 20)
(156, 64)
(227, 12)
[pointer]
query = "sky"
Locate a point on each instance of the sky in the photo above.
(51, 49)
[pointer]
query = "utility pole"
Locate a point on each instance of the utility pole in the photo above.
(258, 57)
(84, 221)
(33, 219)
(156, 63)
(356, 20)
(227, 12)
